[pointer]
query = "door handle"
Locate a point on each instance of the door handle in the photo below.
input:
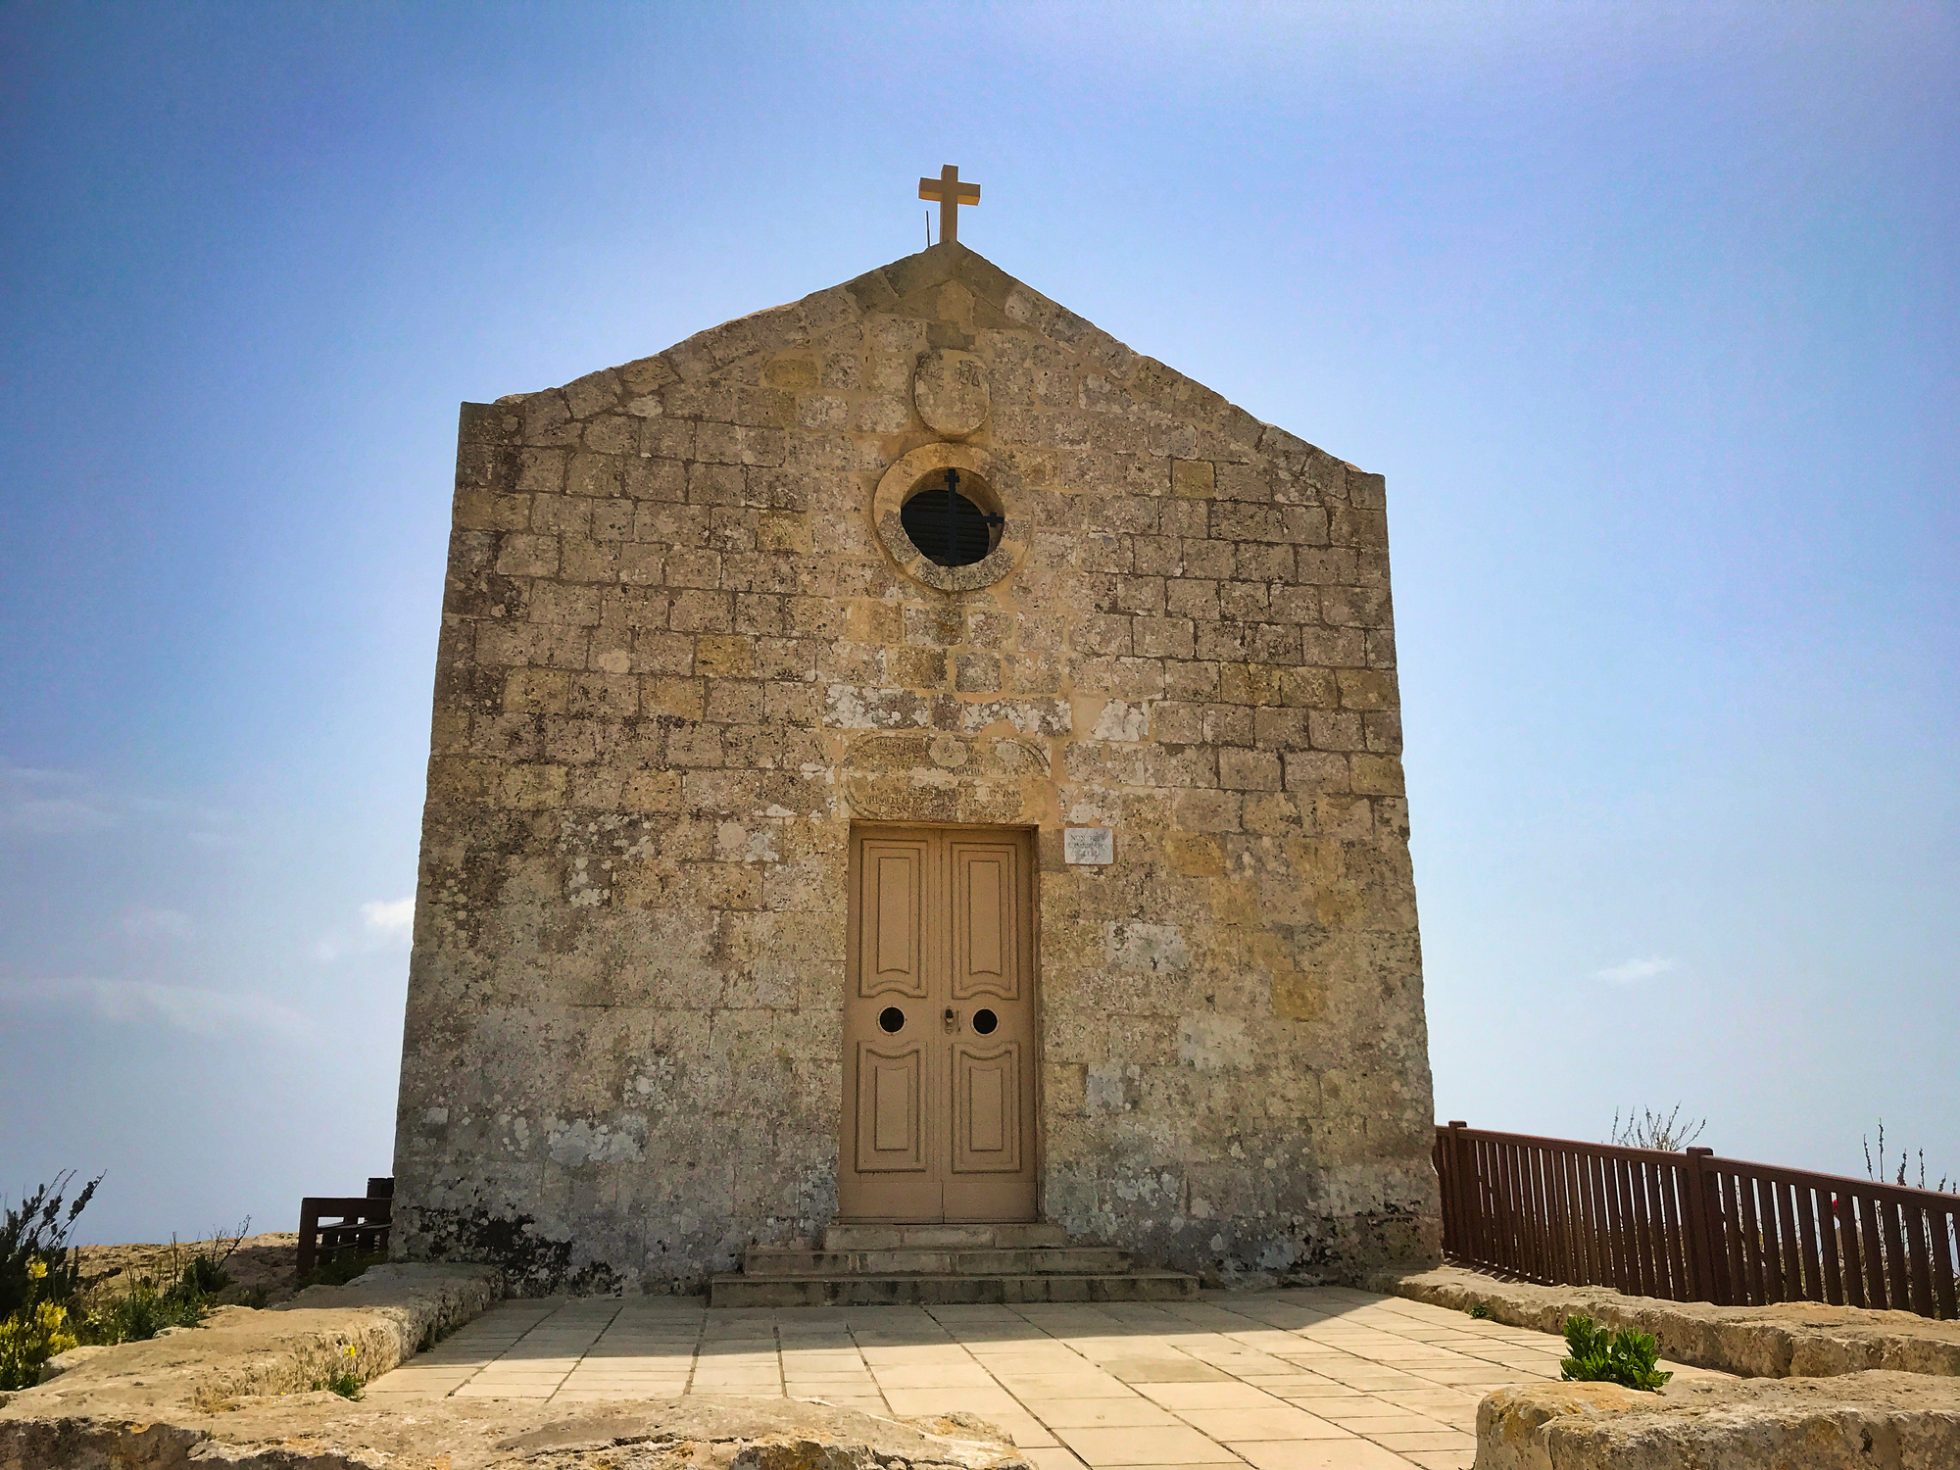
(952, 1020)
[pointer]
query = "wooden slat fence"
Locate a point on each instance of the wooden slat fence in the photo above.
(1691, 1226)
(337, 1225)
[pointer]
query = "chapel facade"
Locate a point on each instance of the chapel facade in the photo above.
(906, 757)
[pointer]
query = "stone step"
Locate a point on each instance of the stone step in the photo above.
(876, 1237)
(1040, 1260)
(734, 1289)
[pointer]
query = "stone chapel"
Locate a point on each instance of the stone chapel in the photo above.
(911, 774)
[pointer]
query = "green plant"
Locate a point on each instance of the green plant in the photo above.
(140, 1311)
(344, 1380)
(28, 1338)
(1480, 1311)
(203, 1276)
(142, 1308)
(1624, 1357)
(36, 1262)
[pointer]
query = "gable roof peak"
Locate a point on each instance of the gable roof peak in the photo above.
(898, 287)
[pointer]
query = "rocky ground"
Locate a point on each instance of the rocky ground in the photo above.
(260, 1262)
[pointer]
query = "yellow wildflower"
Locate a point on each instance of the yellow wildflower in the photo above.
(36, 1270)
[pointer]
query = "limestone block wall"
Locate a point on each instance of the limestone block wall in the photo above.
(679, 659)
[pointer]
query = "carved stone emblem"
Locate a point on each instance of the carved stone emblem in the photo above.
(949, 389)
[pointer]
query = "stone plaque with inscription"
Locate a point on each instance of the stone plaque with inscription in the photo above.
(1089, 846)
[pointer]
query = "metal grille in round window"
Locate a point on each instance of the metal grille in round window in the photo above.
(945, 525)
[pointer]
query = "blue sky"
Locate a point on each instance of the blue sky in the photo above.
(1649, 314)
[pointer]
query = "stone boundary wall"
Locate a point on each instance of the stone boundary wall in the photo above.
(240, 1392)
(139, 1406)
(1789, 1340)
(1853, 1421)
(386, 1316)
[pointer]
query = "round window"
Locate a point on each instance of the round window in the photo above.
(946, 513)
(947, 526)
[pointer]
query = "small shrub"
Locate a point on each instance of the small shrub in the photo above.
(250, 1296)
(140, 1311)
(203, 1276)
(1480, 1311)
(36, 1262)
(1625, 1357)
(28, 1338)
(343, 1381)
(1650, 1129)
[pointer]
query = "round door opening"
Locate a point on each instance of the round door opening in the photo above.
(891, 1020)
(984, 1022)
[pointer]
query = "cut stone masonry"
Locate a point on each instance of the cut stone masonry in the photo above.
(677, 664)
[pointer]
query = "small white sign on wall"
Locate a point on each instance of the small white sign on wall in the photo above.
(1090, 846)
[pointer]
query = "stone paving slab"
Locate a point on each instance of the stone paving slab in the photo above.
(1307, 1379)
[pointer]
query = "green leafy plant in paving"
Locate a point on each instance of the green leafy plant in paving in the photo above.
(1480, 1311)
(1625, 1357)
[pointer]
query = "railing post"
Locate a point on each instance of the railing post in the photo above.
(1455, 1210)
(309, 1231)
(1704, 1261)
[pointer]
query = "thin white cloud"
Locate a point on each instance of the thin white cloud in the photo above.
(54, 816)
(38, 802)
(1628, 971)
(44, 803)
(392, 919)
(147, 922)
(189, 1008)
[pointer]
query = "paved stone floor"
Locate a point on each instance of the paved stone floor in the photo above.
(1311, 1379)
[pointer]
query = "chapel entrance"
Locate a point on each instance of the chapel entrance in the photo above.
(939, 1026)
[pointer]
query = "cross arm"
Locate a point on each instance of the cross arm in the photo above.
(963, 192)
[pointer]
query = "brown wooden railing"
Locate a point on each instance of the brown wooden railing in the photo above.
(344, 1225)
(1691, 1226)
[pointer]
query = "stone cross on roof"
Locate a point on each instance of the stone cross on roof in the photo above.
(951, 191)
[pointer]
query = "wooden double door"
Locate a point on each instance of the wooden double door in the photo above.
(939, 1026)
